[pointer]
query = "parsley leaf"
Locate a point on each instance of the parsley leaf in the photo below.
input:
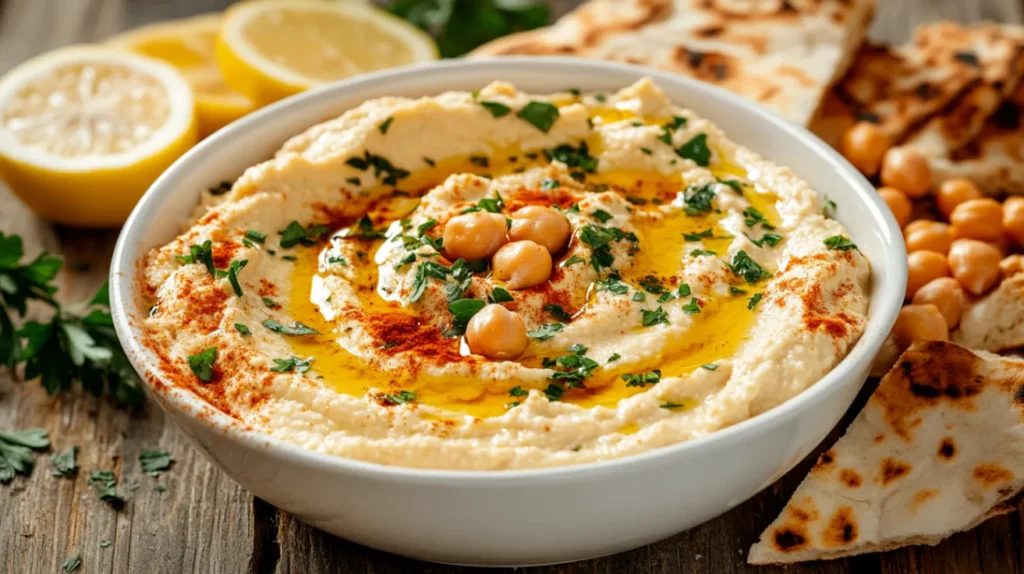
(462, 311)
(16, 451)
(270, 303)
(154, 461)
(547, 184)
(572, 261)
(709, 366)
(840, 243)
(698, 199)
(105, 482)
(696, 150)
(558, 312)
(233, 270)
(64, 463)
(752, 216)
(573, 156)
(747, 268)
(202, 362)
(400, 398)
(497, 109)
(692, 308)
(295, 234)
(461, 25)
(654, 317)
(518, 391)
(500, 295)
(541, 115)
(546, 331)
(383, 127)
(602, 215)
(243, 329)
(769, 239)
(257, 236)
(292, 364)
(755, 300)
(72, 562)
(296, 328)
(642, 379)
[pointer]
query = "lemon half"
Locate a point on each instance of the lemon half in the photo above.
(189, 45)
(275, 48)
(85, 130)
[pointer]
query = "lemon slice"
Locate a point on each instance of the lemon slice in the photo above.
(275, 48)
(85, 130)
(189, 45)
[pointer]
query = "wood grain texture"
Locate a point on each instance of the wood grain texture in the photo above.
(205, 522)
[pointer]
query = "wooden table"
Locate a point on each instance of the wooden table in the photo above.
(205, 522)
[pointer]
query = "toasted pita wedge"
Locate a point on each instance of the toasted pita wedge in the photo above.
(996, 322)
(995, 159)
(938, 449)
(934, 93)
(781, 53)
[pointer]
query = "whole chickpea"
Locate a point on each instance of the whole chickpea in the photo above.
(919, 323)
(522, 264)
(917, 224)
(948, 297)
(953, 192)
(978, 219)
(864, 145)
(906, 170)
(1010, 266)
(497, 333)
(922, 268)
(474, 236)
(542, 225)
(1013, 219)
(929, 236)
(975, 264)
(899, 204)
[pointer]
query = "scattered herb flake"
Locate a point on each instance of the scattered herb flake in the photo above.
(692, 308)
(296, 328)
(709, 366)
(257, 236)
(16, 451)
(755, 300)
(400, 398)
(654, 317)
(541, 115)
(558, 312)
(839, 243)
(696, 150)
(383, 127)
(202, 362)
(155, 461)
(64, 463)
(270, 303)
(105, 484)
(642, 379)
(747, 268)
(497, 109)
(72, 563)
(243, 329)
(572, 261)
(546, 331)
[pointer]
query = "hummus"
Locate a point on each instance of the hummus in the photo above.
(315, 299)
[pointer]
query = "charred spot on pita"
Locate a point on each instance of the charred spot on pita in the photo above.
(1007, 116)
(850, 478)
(787, 539)
(947, 448)
(893, 470)
(710, 31)
(842, 529)
(926, 91)
(1018, 394)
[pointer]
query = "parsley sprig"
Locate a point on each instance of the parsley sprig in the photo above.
(16, 451)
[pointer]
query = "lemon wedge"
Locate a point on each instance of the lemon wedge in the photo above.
(85, 130)
(189, 45)
(271, 49)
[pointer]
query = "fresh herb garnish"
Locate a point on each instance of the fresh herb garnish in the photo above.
(16, 451)
(220, 189)
(548, 184)
(292, 363)
(840, 243)
(696, 150)
(706, 234)
(546, 331)
(755, 300)
(296, 233)
(639, 296)
(747, 268)
(558, 312)
(64, 463)
(233, 270)
(646, 150)
(769, 239)
(829, 209)
(573, 157)
(698, 200)
(651, 284)
(497, 109)
(105, 484)
(636, 200)
(383, 127)
(642, 379)
(518, 391)
(243, 329)
(462, 311)
(709, 366)
(733, 183)
(541, 115)
(752, 216)
(671, 405)
(72, 562)
(569, 371)
(296, 328)
(692, 308)
(572, 261)
(701, 252)
(461, 25)
(202, 362)
(155, 461)
(654, 317)
(202, 253)
(500, 295)
(602, 215)
(400, 398)
(612, 283)
(614, 357)
(257, 236)
(425, 270)
(270, 303)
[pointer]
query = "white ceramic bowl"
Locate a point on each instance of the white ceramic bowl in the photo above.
(530, 516)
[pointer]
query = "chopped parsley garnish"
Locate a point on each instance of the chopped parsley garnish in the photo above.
(646, 150)
(105, 484)
(639, 296)
(16, 451)
(651, 284)
(337, 260)
(202, 363)
(154, 461)
(558, 312)
(698, 199)
(769, 239)
(383, 127)
(202, 254)
(569, 371)
(599, 240)
(602, 215)
(548, 184)
(554, 392)
(426, 226)
(733, 183)
(614, 284)
(489, 204)
(840, 243)
(426, 270)
(462, 311)
(701, 252)
(479, 160)
(671, 405)
(692, 308)
(829, 210)
(295, 329)
(233, 270)
(709, 366)
(733, 290)
(364, 229)
(462, 274)
(257, 236)
(572, 261)
(654, 317)
(696, 150)
(518, 391)
(242, 328)
(752, 216)
(296, 233)
(755, 300)
(573, 156)
(497, 109)
(429, 162)
(400, 398)
(614, 357)
(541, 115)
(292, 364)
(500, 295)
(747, 268)
(546, 331)
(708, 233)
(642, 379)
(636, 200)
(667, 129)
(72, 562)
(353, 180)
(270, 303)
(380, 166)
(64, 463)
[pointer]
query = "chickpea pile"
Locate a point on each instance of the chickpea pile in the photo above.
(950, 261)
(520, 255)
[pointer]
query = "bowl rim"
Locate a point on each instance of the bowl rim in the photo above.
(123, 282)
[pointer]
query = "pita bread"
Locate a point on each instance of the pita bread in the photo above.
(938, 449)
(996, 322)
(933, 93)
(781, 53)
(995, 159)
